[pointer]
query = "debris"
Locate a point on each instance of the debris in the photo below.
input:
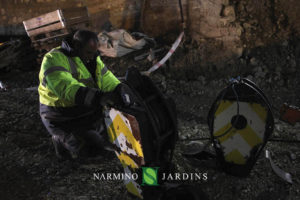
(194, 147)
(2, 86)
(32, 88)
(253, 61)
(293, 156)
(198, 154)
(183, 191)
(290, 114)
(17, 54)
(119, 42)
(229, 11)
(246, 25)
(282, 174)
(228, 15)
(225, 2)
(2, 114)
(145, 55)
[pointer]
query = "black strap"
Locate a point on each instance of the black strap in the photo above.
(104, 70)
(181, 13)
(73, 65)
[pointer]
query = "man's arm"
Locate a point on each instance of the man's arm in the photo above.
(58, 78)
(108, 80)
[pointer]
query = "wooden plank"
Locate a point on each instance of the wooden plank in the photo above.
(70, 13)
(70, 22)
(75, 15)
(45, 29)
(50, 39)
(74, 27)
(42, 20)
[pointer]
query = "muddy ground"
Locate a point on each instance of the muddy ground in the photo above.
(30, 170)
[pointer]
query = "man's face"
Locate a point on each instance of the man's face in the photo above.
(89, 50)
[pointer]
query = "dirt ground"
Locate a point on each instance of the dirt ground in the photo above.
(30, 170)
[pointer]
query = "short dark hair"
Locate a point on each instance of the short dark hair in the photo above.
(81, 37)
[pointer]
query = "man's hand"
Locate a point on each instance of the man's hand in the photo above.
(126, 94)
(110, 99)
(93, 97)
(121, 96)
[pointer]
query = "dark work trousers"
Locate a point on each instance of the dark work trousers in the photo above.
(77, 134)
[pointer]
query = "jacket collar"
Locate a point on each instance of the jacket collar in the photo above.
(67, 47)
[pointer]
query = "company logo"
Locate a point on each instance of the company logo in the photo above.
(150, 176)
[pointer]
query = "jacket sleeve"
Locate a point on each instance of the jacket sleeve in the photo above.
(108, 80)
(58, 78)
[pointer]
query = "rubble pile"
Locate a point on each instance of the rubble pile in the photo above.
(17, 54)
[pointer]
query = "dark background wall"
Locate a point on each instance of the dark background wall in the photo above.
(225, 29)
(121, 13)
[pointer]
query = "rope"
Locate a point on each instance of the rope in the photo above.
(167, 56)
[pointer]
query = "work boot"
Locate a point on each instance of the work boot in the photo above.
(60, 151)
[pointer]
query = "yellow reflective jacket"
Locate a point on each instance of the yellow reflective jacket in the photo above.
(61, 77)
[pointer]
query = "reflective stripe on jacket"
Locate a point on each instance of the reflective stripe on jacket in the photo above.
(61, 77)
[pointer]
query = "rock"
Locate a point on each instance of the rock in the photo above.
(214, 178)
(293, 156)
(2, 114)
(164, 85)
(82, 198)
(259, 42)
(285, 43)
(278, 127)
(59, 190)
(239, 52)
(225, 2)
(246, 25)
(250, 77)
(281, 82)
(253, 61)
(226, 20)
(260, 74)
(229, 11)
(182, 137)
(293, 63)
(243, 61)
(202, 80)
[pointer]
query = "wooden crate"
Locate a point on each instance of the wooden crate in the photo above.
(48, 30)
(57, 23)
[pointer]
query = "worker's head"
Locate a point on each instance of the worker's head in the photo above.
(85, 43)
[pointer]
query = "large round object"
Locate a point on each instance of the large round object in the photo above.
(240, 122)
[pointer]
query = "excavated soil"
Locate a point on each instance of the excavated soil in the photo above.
(30, 170)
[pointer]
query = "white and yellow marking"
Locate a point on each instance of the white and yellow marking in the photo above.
(237, 144)
(120, 134)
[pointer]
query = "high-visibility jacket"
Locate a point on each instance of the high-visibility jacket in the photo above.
(61, 77)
